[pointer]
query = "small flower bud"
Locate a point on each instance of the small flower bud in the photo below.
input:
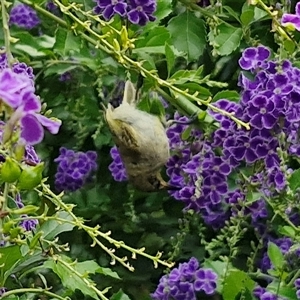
(30, 177)
(10, 171)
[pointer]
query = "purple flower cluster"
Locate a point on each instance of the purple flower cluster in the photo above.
(271, 104)
(137, 11)
(199, 174)
(74, 169)
(184, 282)
(24, 16)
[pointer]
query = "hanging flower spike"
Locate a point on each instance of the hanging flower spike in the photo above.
(292, 20)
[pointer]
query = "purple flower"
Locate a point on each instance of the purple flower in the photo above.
(141, 11)
(206, 280)
(108, 8)
(52, 7)
(204, 3)
(18, 67)
(22, 68)
(214, 187)
(228, 106)
(297, 286)
(29, 224)
(262, 113)
(253, 58)
(31, 156)
(24, 16)
(13, 87)
(17, 91)
(74, 169)
(297, 283)
(268, 296)
(292, 20)
(277, 178)
(117, 167)
(65, 77)
(243, 147)
(3, 59)
(3, 290)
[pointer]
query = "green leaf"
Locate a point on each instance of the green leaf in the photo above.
(294, 180)
(247, 17)
(119, 296)
(236, 281)
(33, 46)
(108, 272)
(28, 262)
(188, 34)
(218, 266)
(164, 8)
(257, 14)
(60, 40)
(186, 133)
(252, 197)
(150, 49)
(170, 57)
(233, 96)
(59, 69)
(227, 40)
(8, 257)
(289, 46)
(91, 267)
(156, 106)
(52, 228)
(66, 43)
(157, 37)
(260, 14)
(232, 13)
(286, 292)
(71, 280)
(29, 49)
(287, 231)
(275, 255)
(195, 87)
(183, 76)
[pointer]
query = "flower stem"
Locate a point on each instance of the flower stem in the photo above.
(34, 291)
(93, 232)
(6, 33)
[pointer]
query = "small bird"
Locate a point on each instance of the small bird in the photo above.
(141, 140)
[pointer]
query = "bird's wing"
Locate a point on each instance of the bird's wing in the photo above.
(124, 134)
